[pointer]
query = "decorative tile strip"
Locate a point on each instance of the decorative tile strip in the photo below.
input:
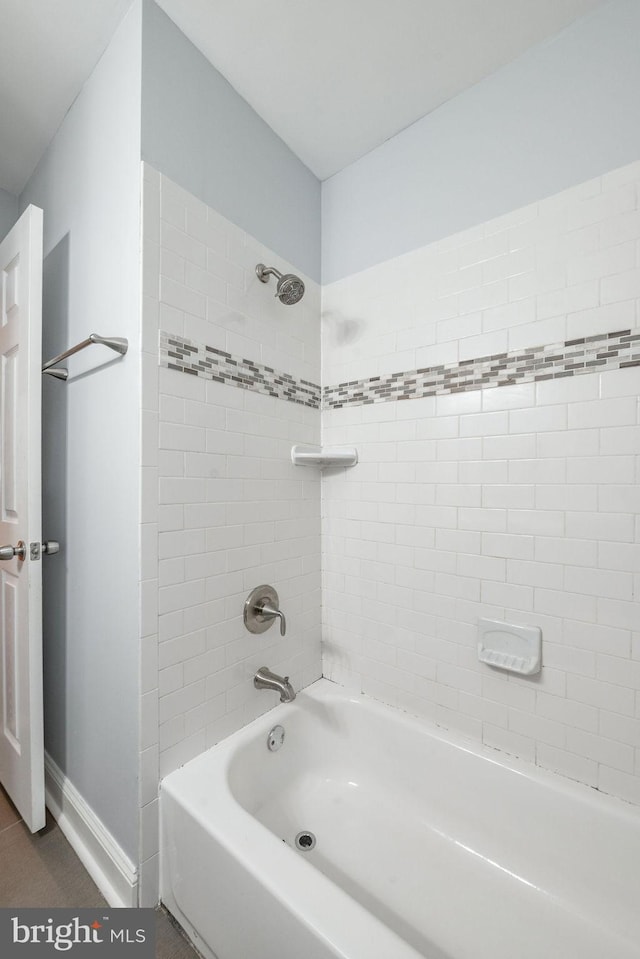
(590, 354)
(177, 353)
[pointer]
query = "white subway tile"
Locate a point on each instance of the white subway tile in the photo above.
(609, 318)
(536, 727)
(539, 522)
(508, 496)
(483, 520)
(617, 613)
(526, 573)
(616, 669)
(537, 334)
(598, 638)
(619, 499)
(508, 397)
(567, 763)
(566, 497)
(619, 783)
(538, 471)
(484, 424)
(486, 344)
(570, 443)
(508, 545)
(551, 549)
(565, 604)
(506, 594)
(483, 471)
(607, 696)
(601, 469)
(602, 413)
(605, 262)
(570, 389)
(567, 711)
(621, 287)
(617, 527)
(620, 440)
(179, 242)
(614, 754)
(602, 207)
(458, 327)
(597, 582)
(508, 315)
(172, 266)
(462, 448)
(519, 446)
(508, 741)
(619, 556)
(538, 419)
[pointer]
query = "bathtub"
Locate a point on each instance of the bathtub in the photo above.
(425, 846)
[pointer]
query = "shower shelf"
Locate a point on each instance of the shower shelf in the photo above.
(324, 457)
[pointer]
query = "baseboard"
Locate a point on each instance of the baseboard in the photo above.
(110, 868)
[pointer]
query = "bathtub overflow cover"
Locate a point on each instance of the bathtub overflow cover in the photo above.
(305, 840)
(275, 739)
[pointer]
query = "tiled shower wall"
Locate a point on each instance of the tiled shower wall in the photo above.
(517, 501)
(224, 509)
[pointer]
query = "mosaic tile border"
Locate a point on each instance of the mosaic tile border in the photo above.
(590, 354)
(178, 353)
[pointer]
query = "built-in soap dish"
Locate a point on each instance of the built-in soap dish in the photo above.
(516, 649)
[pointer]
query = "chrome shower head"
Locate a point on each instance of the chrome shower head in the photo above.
(290, 288)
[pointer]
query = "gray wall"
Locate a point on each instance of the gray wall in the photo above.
(198, 131)
(564, 112)
(8, 212)
(88, 184)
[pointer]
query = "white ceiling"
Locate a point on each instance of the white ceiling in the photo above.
(48, 48)
(334, 78)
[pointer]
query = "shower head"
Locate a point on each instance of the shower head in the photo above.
(290, 288)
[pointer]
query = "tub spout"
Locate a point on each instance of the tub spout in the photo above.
(265, 679)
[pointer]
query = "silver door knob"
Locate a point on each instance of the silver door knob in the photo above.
(8, 552)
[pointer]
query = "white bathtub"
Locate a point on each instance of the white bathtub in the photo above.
(425, 846)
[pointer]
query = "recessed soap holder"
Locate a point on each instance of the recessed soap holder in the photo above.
(516, 649)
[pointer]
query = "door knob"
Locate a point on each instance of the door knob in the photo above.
(8, 552)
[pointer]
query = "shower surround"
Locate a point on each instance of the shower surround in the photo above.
(488, 382)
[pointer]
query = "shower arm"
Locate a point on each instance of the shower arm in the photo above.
(116, 343)
(264, 272)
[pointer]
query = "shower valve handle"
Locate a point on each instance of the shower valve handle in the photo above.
(261, 607)
(270, 613)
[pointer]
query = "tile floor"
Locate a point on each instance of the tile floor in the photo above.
(43, 870)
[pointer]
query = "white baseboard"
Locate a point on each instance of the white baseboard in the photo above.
(110, 868)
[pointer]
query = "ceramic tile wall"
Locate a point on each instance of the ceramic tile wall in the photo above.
(224, 509)
(518, 502)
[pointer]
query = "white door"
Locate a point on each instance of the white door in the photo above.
(21, 729)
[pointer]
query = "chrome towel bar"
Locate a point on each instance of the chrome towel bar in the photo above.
(116, 343)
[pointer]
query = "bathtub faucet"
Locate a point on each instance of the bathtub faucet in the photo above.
(265, 679)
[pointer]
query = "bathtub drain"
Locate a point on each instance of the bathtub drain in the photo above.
(305, 841)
